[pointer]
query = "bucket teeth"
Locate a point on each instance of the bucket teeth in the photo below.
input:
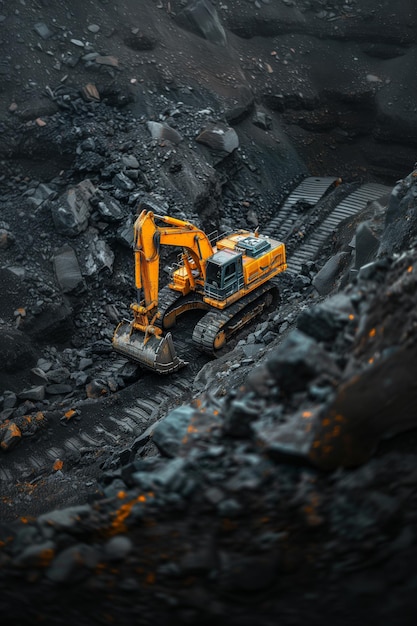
(156, 354)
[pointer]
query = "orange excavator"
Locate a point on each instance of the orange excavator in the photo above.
(230, 279)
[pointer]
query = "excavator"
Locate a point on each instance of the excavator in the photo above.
(229, 278)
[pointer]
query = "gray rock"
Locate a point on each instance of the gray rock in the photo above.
(38, 376)
(164, 131)
(34, 393)
(125, 233)
(42, 30)
(71, 213)
(324, 321)
(201, 17)
(262, 120)
(73, 564)
(298, 360)
(219, 137)
(39, 195)
(366, 246)
(117, 548)
(123, 182)
(58, 375)
(57, 389)
(9, 400)
(130, 161)
(35, 555)
(67, 269)
(326, 280)
(110, 210)
(168, 476)
(100, 256)
(170, 432)
(63, 519)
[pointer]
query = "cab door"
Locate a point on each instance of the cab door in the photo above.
(232, 277)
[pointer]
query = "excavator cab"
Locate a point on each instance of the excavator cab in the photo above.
(224, 274)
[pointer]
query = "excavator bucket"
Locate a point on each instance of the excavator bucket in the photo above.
(155, 353)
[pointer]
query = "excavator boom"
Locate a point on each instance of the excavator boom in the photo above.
(141, 340)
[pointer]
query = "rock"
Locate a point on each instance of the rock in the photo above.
(125, 233)
(7, 239)
(118, 548)
(10, 435)
(53, 323)
(16, 350)
(298, 360)
(219, 137)
(262, 120)
(39, 195)
(57, 389)
(201, 17)
(42, 30)
(67, 270)
(164, 132)
(170, 432)
(123, 182)
(71, 213)
(37, 555)
(97, 388)
(38, 376)
(63, 519)
(324, 321)
(58, 375)
(100, 256)
(130, 161)
(366, 246)
(110, 210)
(72, 564)
(9, 399)
(288, 442)
(326, 280)
(168, 476)
(36, 394)
(351, 426)
(239, 413)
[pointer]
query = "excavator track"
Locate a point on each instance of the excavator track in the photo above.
(216, 327)
(172, 303)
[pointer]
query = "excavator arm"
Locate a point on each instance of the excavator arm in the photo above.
(141, 339)
(148, 237)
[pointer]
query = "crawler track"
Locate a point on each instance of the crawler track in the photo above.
(214, 329)
(309, 192)
(346, 208)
